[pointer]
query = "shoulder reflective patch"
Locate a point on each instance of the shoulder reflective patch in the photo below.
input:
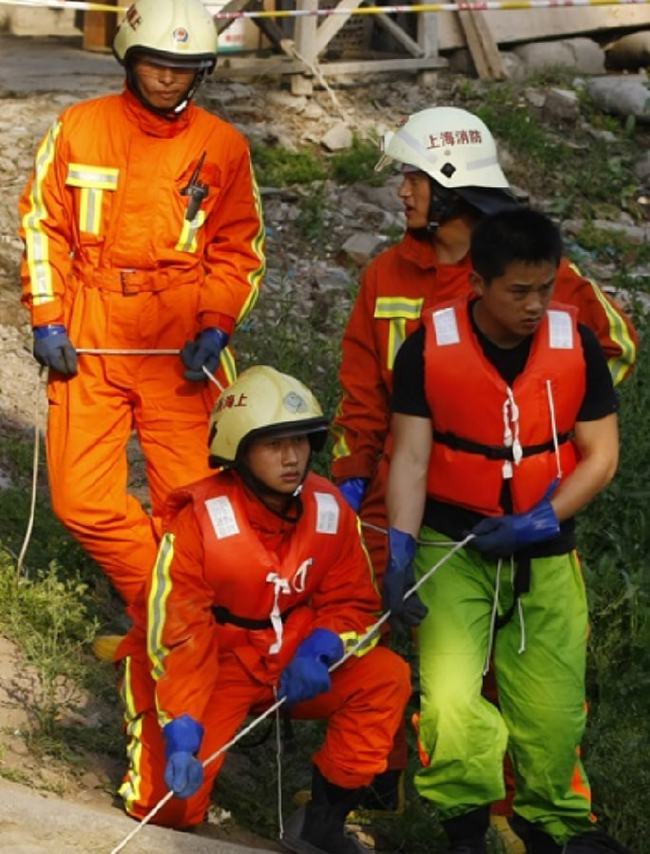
(445, 326)
(389, 307)
(222, 516)
(327, 521)
(94, 177)
(560, 330)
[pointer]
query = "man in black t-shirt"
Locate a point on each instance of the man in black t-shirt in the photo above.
(504, 422)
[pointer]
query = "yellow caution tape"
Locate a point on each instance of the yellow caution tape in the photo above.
(480, 6)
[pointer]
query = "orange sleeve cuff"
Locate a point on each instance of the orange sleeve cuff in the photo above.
(208, 319)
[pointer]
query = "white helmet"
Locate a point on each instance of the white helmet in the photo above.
(452, 146)
(179, 33)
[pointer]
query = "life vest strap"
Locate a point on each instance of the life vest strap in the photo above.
(495, 452)
(224, 617)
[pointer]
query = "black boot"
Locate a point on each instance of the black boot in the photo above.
(318, 827)
(467, 832)
(385, 794)
(595, 842)
(537, 840)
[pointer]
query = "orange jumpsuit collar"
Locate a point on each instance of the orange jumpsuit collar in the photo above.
(151, 124)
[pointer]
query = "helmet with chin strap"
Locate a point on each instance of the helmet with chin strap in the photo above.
(171, 33)
(263, 402)
(457, 151)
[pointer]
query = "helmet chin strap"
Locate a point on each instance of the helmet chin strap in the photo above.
(168, 113)
(293, 507)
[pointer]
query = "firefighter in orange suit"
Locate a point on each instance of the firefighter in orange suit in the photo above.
(261, 584)
(142, 230)
(451, 178)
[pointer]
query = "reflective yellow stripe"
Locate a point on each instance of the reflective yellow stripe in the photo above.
(156, 614)
(341, 447)
(187, 242)
(36, 241)
(129, 791)
(619, 366)
(392, 307)
(227, 361)
(350, 639)
(90, 210)
(255, 276)
(92, 177)
(396, 336)
(371, 568)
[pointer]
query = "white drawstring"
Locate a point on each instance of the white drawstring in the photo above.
(556, 444)
(299, 579)
(493, 618)
(280, 585)
(522, 626)
(520, 610)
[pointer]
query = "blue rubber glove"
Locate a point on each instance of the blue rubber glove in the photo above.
(307, 674)
(500, 536)
(354, 490)
(183, 772)
(204, 351)
(53, 348)
(399, 577)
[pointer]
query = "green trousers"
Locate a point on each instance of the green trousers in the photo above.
(539, 658)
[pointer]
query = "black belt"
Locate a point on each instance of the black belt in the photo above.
(223, 616)
(495, 452)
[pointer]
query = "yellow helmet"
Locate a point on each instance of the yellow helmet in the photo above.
(178, 33)
(263, 402)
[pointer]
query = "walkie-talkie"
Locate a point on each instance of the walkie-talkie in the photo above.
(196, 190)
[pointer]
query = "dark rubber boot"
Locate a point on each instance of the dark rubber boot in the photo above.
(318, 827)
(595, 842)
(537, 840)
(466, 832)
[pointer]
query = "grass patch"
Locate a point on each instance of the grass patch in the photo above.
(357, 164)
(277, 167)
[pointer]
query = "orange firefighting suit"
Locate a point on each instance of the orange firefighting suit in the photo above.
(110, 255)
(395, 289)
(234, 591)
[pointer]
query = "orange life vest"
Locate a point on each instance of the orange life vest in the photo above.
(261, 601)
(486, 431)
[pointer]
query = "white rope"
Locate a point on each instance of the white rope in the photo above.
(418, 540)
(278, 762)
(120, 351)
(212, 378)
(32, 503)
(372, 631)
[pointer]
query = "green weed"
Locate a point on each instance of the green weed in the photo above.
(277, 167)
(311, 222)
(357, 164)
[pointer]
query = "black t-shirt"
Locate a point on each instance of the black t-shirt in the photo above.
(409, 398)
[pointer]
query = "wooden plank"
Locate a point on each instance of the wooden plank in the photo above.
(330, 26)
(399, 35)
(244, 67)
(428, 33)
(482, 46)
(519, 25)
(99, 29)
